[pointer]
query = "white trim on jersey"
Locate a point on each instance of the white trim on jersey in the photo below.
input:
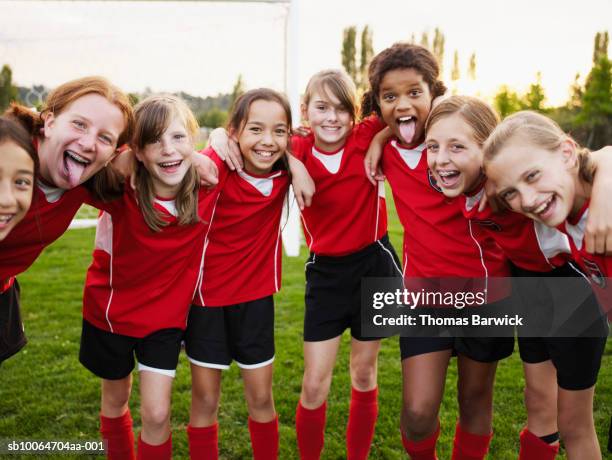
(52, 194)
(551, 241)
(577, 231)
(481, 261)
(311, 262)
(167, 372)
(209, 365)
(391, 256)
(200, 281)
(308, 231)
(168, 205)
(411, 157)
(275, 261)
(331, 162)
(471, 201)
(263, 185)
(104, 233)
(255, 366)
(110, 273)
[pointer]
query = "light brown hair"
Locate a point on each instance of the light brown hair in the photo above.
(153, 116)
(539, 130)
(338, 84)
(479, 115)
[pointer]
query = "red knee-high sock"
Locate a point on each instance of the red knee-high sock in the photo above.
(425, 449)
(470, 446)
(363, 412)
(149, 452)
(533, 448)
(310, 430)
(119, 437)
(203, 442)
(264, 439)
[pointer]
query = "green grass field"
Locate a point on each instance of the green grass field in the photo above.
(46, 394)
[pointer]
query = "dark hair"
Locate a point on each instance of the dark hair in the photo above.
(400, 56)
(240, 113)
(12, 131)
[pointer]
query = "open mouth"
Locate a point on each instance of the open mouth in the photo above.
(332, 129)
(544, 209)
(264, 154)
(5, 219)
(74, 166)
(407, 128)
(448, 178)
(170, 167)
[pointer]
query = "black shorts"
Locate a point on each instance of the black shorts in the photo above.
(576, 359)
(111, 356)
(482, 349)
(12, 336)
(242, 332)
(333, 289)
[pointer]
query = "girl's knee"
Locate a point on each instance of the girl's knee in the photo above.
(156, 414)
(419, 418)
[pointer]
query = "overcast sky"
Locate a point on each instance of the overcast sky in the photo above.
(201, 47)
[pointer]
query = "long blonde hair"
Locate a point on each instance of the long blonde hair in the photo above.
(153, 116)
(540, 131)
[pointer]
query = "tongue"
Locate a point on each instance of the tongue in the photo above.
(407, 129)
(75, 171)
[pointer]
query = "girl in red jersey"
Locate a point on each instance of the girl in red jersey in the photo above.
(232, 317)
(17, 171)
(345, 229)
(75, 136)
(539, 171)
(456, 131)
(149, 247)
(437, 244)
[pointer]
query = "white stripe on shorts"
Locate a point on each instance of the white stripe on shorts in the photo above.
(255, 366)
(168, 372)
(210, 365)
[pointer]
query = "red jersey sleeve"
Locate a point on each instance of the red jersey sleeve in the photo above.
(301, 146)
(365, 130)
(221, 165)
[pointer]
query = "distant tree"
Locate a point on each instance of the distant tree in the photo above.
(349, 51)
(596, 113)
(575, 100)
(455, 72)
(8, 91)
(471, 72)
(213, 118)
(535, 97)
(506, 102)
(237, 90)
(425, 40)
(438, 47)
(134, 98)
(367, 52)
(601, 46)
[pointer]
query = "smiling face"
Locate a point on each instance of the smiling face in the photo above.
(263, 137)
(453, 155)
(330, 121)
(16, 185)
(536, 182)
(79, 141)
(405, 100)
(168, 158)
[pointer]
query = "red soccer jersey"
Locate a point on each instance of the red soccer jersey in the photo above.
(527, 243)
(438, 240)
(242, 258)
(47, 219)
(142, 281)
(596, 267)
(347, 213)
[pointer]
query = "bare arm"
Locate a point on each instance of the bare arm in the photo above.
(226, 148)
(598, 231)
(374, 154)
(303, 185)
